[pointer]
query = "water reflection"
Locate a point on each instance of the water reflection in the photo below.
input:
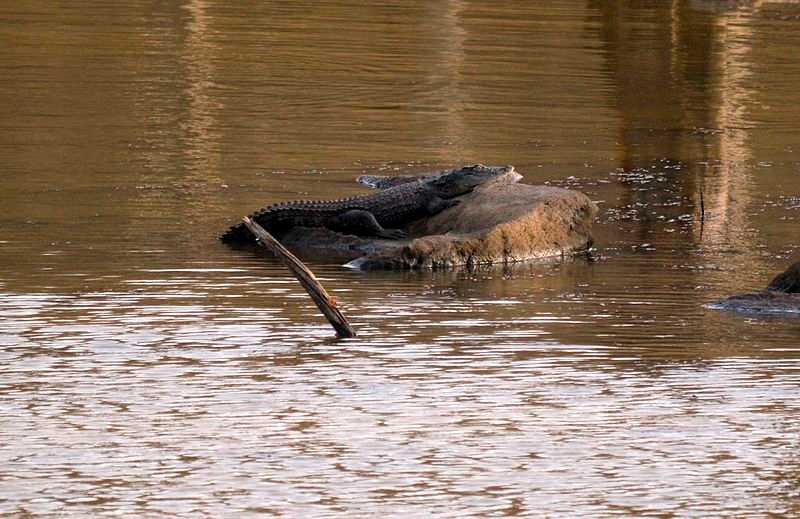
(688, 125)
(452, 96)
(726, 220)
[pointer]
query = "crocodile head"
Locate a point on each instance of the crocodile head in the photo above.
(461, 181)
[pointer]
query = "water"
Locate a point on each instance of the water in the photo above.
(147, 370)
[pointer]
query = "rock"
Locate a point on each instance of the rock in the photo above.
(765, 302)
(787, 281)
(498, 223)
(782, 296)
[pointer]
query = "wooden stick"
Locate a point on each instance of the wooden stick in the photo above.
(702, 211)
(324, 302)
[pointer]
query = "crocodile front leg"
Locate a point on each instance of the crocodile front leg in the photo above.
(437, 205)
(362, 223)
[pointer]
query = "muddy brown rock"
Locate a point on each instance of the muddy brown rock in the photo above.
(498, 223)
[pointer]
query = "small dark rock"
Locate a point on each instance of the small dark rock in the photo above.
(765, 302)
(787, 281)
(782, 296)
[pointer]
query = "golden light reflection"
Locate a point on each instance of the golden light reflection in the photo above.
(728, 187)
(453, 96)
(202, 133)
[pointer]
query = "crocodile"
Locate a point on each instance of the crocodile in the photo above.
(385, 182)
(375, 214)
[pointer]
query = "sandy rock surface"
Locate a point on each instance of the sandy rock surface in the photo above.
(497, 223)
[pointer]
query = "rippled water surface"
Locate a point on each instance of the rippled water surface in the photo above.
(148, 370)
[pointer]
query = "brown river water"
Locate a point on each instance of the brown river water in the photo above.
(147, 370)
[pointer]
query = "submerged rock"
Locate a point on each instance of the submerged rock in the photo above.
(782, 296)
(498, 223)
(764, 302)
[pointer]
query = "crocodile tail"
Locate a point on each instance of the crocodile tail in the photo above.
(238, 233)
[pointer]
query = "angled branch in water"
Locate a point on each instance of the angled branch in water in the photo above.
(324, 302)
